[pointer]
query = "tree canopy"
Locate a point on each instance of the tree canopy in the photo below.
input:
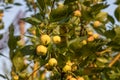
(70, 39)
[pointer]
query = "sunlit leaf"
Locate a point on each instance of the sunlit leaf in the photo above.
(32, 20)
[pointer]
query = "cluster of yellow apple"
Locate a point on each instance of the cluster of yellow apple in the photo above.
(91, 37)
(46, 39)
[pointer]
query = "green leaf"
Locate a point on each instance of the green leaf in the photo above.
(69, 1)
(117, 2)
(9, 1)
(115, 44)
(110, 33)
(117, 13)
(32, 20)
(28, 50)
(41, 4)
(111, 19)
(75, 44)
(18, 61)
(12, 42)
(1, 36)
(102, 59)
(101, 16)
(95, 9)
(101, 30)
(87, 3)
(60, 14)
(61, 60)
(86, 13)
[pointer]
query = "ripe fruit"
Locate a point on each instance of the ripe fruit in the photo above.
(66, 68)
(72, 78)
(96, 24)
(52, 62)
(69, 63)
(84, 42)
(45, 39)
(96, 36)
(15, 77)
(1, 14)
(91, 38)
(90, 33)
(68, 77)
(77, 13)
(80, 78)
(33, 32)
(41, 50)
(56, 39)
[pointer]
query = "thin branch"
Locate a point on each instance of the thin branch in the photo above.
(104, 51)
(32, 73)
(52, 6)
(114, 60)
(34, 6)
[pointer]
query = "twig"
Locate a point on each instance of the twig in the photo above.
(104, 51)
(34, 5)
(114, 60)
(32, 73)
(52, 6)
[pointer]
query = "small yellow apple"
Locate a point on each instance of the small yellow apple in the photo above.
(96, 24)
(1, 14)
(80, 78)
(15, 77)
(68, 77)
(91, 38)
(90, 33)
(69, 63)
(45, 39)
(33, 32)
(52, 62)
(77, 13)
(56, 39)
(72, 78)
(84, 42)
(41, 50)
(67, 68)
(96, 36)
